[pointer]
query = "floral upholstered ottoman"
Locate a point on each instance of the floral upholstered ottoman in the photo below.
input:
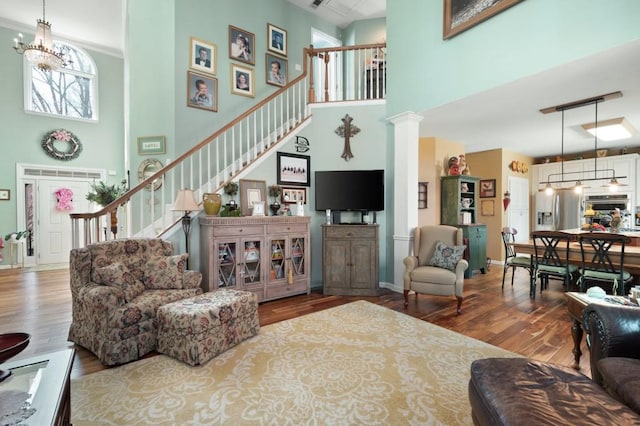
(197, 329)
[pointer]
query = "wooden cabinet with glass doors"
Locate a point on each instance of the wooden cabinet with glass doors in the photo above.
(268, 256)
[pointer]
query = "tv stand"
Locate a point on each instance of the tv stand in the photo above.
(350, 260)
(336, 218)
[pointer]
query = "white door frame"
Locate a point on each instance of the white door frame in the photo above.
(32, 173)
(515, 184)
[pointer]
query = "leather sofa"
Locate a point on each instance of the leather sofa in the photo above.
(614, 350)
(515, 391)
(116, 288)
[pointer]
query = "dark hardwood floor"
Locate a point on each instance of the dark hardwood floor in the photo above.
(39, 303)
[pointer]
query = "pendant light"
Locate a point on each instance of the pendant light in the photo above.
(578, 185)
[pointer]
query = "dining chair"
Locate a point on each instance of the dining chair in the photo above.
(597, 264)
(552, 259)
(512, 259)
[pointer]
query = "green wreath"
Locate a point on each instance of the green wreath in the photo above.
(61, 135)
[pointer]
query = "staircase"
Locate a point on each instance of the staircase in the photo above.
(227, 155)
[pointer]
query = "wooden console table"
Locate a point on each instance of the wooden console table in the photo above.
(47, 378)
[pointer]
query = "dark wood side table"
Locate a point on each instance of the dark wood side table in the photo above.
(576, 302)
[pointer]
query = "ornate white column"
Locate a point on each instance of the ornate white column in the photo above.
(405, 188)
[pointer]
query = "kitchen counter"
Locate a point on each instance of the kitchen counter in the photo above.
(633, 235)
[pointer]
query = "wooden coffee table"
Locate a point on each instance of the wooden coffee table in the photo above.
(576, 302)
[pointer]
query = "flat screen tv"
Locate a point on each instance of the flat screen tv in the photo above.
(350, 190)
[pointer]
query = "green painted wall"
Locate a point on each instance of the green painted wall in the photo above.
(21, 133)
(530, 37)
(152, 80)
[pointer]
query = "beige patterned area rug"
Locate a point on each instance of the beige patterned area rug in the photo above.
(358, 363)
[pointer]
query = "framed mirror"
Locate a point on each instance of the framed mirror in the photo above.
(148, 168)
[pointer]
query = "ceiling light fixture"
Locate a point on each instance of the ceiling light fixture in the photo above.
(602, 174)
(611, 130)
(41, 52)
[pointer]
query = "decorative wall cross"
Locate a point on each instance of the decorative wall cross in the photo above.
(347, 130)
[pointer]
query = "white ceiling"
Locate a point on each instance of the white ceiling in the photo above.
(504, 117)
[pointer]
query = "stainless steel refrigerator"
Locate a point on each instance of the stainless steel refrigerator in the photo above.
(558, 211)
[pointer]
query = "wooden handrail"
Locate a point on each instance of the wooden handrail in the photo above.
(141, 186)
(221, 156)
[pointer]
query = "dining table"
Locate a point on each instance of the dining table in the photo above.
(631, 255)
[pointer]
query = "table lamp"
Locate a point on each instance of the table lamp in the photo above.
(186, 202)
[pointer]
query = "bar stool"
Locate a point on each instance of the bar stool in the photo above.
(19, 247)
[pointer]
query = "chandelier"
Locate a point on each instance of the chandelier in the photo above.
(606, 174)
(40, 53)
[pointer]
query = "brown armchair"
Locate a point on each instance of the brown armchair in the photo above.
(117, 287)
(422, 273)
(613, 333)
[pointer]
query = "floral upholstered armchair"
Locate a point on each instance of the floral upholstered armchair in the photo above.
(117, 287)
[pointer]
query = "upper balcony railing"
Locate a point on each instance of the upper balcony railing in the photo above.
(335, 74)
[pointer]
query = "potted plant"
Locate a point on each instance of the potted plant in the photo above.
(103, 194)
(16, 235)
(275, 191)
(231, 189)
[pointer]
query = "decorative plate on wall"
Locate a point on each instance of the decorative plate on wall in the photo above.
(146, 169)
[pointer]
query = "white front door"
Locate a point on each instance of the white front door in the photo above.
(53, 227)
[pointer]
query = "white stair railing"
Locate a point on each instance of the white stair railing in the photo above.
(145, 210)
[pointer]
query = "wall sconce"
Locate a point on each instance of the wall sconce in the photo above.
(506, 199)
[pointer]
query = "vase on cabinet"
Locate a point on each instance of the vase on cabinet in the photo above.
(212, 203)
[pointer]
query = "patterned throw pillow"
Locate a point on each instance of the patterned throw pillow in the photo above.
(118, 275)
(446, 257)
(165, 272)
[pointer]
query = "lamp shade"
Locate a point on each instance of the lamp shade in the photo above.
(186, 201)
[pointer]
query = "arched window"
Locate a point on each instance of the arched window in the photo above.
(70, 92)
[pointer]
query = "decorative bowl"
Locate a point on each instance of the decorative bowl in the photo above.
(11, 344)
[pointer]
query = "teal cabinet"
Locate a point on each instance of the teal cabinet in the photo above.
(459, 207)
(476, 234)
(458, 199)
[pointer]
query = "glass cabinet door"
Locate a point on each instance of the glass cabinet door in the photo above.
(251, 265)
(277, 259)
(227, 253)
(297, 265)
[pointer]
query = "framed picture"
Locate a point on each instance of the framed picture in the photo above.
(203, 56)
(423, 192)
(276, 40)
(293, 195)
(460, 15)
(276, 69)
(5, 194)
(293, 169)
(251, 191)
(242, 81)
(149, 145)
(488, 188)
(488, 208)
(202, 91)
(242, 45)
